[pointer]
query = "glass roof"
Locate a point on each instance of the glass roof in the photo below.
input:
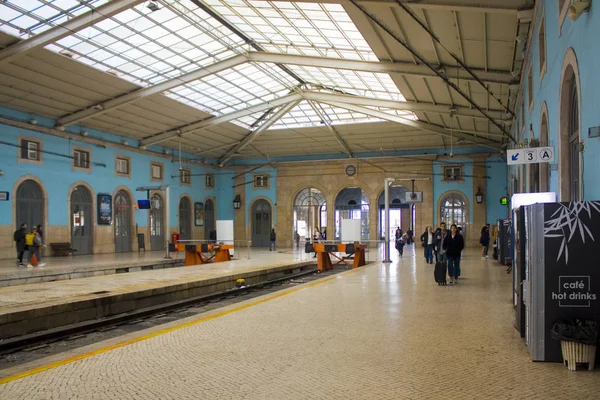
(147, 47)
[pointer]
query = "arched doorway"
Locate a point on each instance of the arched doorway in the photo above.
(209, 219)
(261, 223)
(30, 204)
(81, 220)
(123, 235)
(157, 224)
(544, 173)
(352, 203)
(399, 211)
(310, 212)
(185, 218)
(453, 210)
(570, 142)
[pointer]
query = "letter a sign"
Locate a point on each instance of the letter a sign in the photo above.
(531, 155)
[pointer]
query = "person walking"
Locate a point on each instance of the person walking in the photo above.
(454, 245)
(273, 239)
(19, 237)
(427, 243)
(439, 243)
(484, 240)
(400, 242)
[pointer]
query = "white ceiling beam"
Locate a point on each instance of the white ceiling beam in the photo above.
(400, 67)
(400, 105)
(254, 134)
(489, 6)
(418, 124)
(335, 133)
(68, 28)
(127, 98)
(210, 121)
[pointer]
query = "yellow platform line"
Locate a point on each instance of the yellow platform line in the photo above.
(168, 330)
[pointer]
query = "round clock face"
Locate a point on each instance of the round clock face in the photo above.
(350, 170)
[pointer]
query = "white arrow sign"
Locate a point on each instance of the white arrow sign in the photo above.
(530, 156)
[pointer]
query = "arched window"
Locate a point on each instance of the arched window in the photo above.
(569, 144)
(310, 212)
(453, 210)
(352, 203)
(544, 168)
(573, 132)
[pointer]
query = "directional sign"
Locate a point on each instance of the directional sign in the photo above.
(530, 156)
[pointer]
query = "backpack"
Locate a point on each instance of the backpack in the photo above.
(29, 239)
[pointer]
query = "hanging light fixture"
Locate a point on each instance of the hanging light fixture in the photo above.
(237, 202)
(479, 196)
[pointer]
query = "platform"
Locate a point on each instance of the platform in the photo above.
(377, 332)
(75, 267)
(31, 308)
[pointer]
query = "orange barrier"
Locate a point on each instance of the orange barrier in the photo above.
(196, 254)
(324, 262)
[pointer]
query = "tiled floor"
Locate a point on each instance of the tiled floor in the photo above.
(9, 265)
(15, 298)
(379, 332)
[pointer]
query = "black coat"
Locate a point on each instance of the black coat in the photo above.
(20, 239)
(454, 245)
(273, 236)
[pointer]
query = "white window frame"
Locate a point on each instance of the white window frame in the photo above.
(209, 181)
(456, 178)
(118, 162)
(77, 163)
(185, 177)
(261, 181)
(34, 147)
(157, 166)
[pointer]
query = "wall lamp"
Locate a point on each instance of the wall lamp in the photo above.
(479, 196)
(237, 202)
(578, 8)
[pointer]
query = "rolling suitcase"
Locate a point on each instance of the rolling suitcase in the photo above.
(439, 273)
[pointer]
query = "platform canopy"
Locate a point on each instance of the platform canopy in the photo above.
(230, 79)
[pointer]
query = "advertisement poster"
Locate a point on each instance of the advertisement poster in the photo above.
(104, 209)
(198, 217)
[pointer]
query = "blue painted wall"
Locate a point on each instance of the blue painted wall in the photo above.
(440, 187)
(496, 187)
(270, 193)
(580, 35)
(57, 175)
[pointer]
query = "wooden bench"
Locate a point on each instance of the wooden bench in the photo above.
(62, 249)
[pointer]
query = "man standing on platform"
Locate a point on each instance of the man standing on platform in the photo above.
(19, 238)
(273, 239)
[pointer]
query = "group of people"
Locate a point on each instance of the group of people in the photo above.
(446, 246)
(28, 245)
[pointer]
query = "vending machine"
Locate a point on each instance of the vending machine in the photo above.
(562, 271)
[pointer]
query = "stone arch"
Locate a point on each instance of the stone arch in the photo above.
(18, 183)
(131, 214)
(569, 175)
(544, 172)
(190, 217)
(93, 216)
(467, 208)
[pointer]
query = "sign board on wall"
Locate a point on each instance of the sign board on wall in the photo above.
(104, 205)
(4, 196)
(198, 216)
(532, 155)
